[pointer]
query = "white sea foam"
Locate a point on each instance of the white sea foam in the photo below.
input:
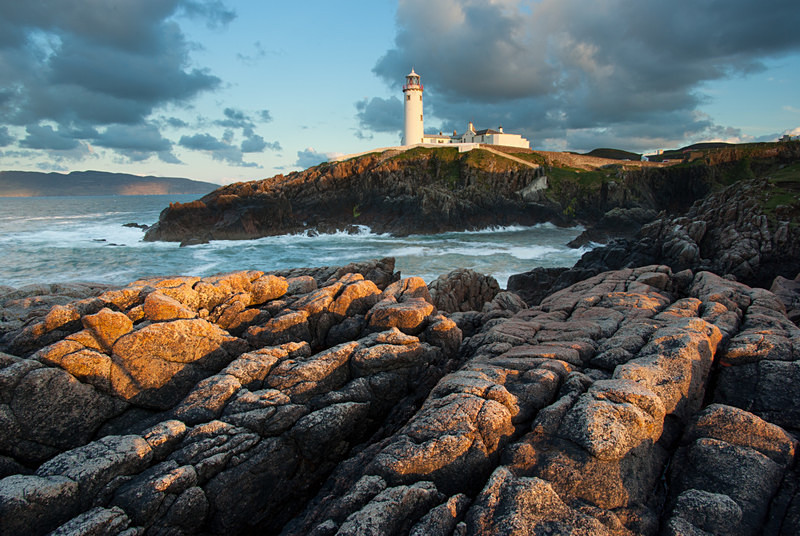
(84, 239)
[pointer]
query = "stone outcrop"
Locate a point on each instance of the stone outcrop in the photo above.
(639, 401)
(733, 232)
(419, 191)
(463, 290)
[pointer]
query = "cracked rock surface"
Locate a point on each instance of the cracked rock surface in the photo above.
(349, 401)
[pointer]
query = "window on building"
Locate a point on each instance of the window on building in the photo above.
(408, 97)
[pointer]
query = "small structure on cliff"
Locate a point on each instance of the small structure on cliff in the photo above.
(414, 133)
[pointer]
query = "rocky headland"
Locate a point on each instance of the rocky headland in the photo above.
(423, 190)
(749, 231)
(433, 190)
(652, 389)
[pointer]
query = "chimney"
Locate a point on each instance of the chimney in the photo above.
(500, 128)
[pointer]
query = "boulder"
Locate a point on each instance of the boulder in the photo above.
(409, 316)
(48, 410)
(463, 290)
(159, 307)
(95, 522)
(32, 504)
(514, 505)
(158, 364)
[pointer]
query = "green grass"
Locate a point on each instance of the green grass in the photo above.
(484, 160)
(785, 194)
(443, 153)
(532, 157)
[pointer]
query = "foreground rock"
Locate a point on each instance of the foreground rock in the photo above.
(640, 401)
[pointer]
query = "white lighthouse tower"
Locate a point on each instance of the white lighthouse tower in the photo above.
(412, 90)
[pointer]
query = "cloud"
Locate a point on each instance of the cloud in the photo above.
(380, 115)
(137, 142)
(201, 142)
(48, 138)
(264, 116)
(256, 144)
(311, 157)
(58, 144)
(218, 149)
(6, 138)
(254, 59)
(213, 12)
(84, 65)
(560, 68)
(235, 119)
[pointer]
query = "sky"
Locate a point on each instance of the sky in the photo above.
(236, 90)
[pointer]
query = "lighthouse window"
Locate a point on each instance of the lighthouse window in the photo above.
(408, 97)
(420, 97)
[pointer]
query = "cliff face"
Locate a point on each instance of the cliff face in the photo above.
(750, 232)
(421, 191)
(437, 190)
(346, 401)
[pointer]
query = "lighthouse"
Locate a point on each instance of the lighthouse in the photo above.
(412, 90)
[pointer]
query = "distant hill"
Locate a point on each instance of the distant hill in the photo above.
(679, 154)
(35, 184)
(614, 154)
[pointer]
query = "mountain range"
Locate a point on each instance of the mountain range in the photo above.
(36, 184)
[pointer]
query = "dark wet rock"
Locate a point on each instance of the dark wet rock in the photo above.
(788, 291)
(731, 232)
(463, 290)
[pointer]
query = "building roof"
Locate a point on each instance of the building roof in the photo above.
(487, 131)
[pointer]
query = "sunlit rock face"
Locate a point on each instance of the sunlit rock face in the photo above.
(350, 401)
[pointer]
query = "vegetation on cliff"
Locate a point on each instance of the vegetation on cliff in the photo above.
(431, 190)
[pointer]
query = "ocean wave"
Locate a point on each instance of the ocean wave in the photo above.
(496, 229)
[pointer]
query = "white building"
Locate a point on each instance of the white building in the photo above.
(412, 91)
(414, 132)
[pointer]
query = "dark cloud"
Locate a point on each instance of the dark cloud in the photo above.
(256, 144)
(380, 115)
(137, 142)
(310, 157)
(628, 69)
(235, 119)
(48, 138)
(82, 65)
(201, 142)
(218, 149)
(5, 137)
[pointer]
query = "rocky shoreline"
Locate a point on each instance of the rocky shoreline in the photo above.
(651, 389)
(350, 401)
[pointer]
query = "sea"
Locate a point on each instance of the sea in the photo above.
(70, 239)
